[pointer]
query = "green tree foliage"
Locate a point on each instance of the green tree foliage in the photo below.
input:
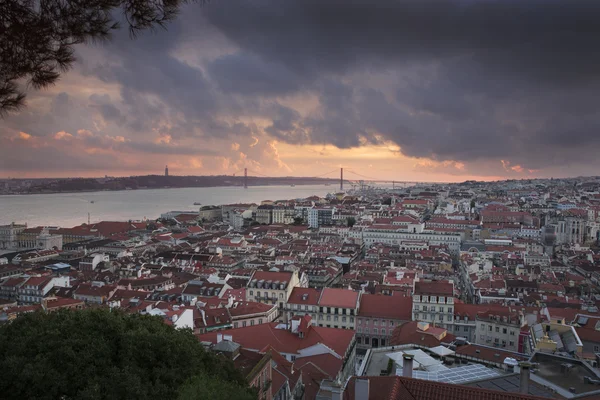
(37, 36)
(350, 221)
(203, 387)
(103, 354)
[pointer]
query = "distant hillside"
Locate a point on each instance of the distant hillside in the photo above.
(159, 182)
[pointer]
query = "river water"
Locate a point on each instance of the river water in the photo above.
(71, 209)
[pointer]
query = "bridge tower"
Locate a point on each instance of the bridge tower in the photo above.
(341, 179)
(245, 178)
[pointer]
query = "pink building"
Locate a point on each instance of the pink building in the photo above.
(378, 315)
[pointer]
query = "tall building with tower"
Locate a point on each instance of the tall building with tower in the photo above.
(166, 170)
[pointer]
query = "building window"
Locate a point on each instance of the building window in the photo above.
(252, 293)
(260, 320)
(366, 330)
(252, 322)
(512, 333)
(391, 324)
(376, 322)
(482, 337)
(366, 340)
(490, 328)
(424, 308)
(497, 329)
(359, 330)
(257, 294)
(360, 321)
(375, 331)
(504, 330)
(293, 358)
(280, 295)
(466, 328)
(343, 319)
(329, 318)
(441, 317)
(511, 343)
(359, 340)
(244, 324)
(383, 331)
(352, 319)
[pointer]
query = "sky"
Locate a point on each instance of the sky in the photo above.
(405, 90)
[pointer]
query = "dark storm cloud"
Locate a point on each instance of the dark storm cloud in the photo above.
(497, 78)
(321, 35)
(248, 74)
(466, 80)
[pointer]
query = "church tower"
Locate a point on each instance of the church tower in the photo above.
(166, 170)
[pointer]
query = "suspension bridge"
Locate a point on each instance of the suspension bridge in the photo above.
(356, 179)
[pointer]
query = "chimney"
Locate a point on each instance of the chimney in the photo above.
(407, 365)
(361, 389)
(524, 384)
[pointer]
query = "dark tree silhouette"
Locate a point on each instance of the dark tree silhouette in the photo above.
(99, 354)
(37, 36)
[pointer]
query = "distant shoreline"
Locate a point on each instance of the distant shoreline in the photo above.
(158, 188)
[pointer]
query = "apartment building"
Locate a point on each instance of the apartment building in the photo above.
(320, 216)
(338, 308)
(378, 316)
(394, 235)
(433, 302)
(303, 301)
(499, 328)
(273, 287)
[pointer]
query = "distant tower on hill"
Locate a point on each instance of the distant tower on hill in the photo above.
(166, 170)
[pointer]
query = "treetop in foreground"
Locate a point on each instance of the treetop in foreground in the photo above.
(103, 354)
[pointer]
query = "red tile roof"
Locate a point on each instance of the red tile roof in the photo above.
(311, 299)
(380, 306)
(408, 333)
(258, 337)
(327, 363)
(342, 298)
(443, 288)
(401, 388)
(272, 276)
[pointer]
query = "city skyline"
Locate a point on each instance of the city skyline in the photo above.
(372, 88)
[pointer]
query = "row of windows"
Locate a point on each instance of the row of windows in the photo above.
(432, 317)
(465, 328)
(244, 323)
(273, 295)
(335, 318)
(375, 331)
(376, 322)
(490, 328)
(434, 308)
(334, 326)
(367, 340)
(497, 341)
(433, 299)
